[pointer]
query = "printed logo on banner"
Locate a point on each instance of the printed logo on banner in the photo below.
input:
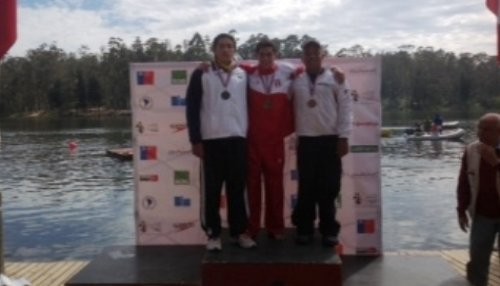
(181, 226)
(181, 177)
(149, 178)
(357, 198)
(178, 127)
(179, 152)
(141, 226)
(372, 199)
(354, 95)
(149, 202)
(145, 77)
(364, 149)
(154, 227)
(365, 199)
(366, 226)
(294, 175)
(153, 127)
(146, 102)
(144, 227)
(366, 250)
(179, 77)
(140, 127)
(177, 100)
(182, 202)
(148, 152)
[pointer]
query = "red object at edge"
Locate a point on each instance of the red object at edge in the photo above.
(8, 25)
(493, 5)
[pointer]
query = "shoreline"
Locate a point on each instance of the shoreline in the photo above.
(72, 113)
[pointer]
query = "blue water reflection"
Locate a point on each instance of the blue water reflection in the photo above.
(63, 204)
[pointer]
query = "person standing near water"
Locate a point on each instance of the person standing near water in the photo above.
(217, 119)
(478, 197)
(271, 120)
(323, 120)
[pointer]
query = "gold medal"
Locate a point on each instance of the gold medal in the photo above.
(312, 103)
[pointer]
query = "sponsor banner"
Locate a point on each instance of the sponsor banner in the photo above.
(159, 230)
(167, 175)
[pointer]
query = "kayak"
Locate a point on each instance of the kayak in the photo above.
(445, 135)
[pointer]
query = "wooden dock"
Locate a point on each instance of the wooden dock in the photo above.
(44, 273)
(58, 273)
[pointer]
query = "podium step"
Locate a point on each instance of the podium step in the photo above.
(272, 263)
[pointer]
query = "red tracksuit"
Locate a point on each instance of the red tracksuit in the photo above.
(270, 121)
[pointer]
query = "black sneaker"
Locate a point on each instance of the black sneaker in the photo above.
(329, 240)
(304, 239)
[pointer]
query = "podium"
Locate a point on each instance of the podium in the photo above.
(273, 263)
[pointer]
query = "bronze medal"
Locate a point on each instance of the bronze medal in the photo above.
(225, 95)
(312, 103)
(312, 87)
(225, 82)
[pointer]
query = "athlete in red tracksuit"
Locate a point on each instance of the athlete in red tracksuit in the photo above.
(270, 121)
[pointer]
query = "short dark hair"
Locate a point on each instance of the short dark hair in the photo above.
(265, 43)
(221, 36)
(312, 43)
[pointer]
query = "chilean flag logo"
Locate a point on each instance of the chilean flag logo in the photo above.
(494, 7)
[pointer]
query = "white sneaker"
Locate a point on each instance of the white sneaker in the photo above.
(214, 244)
(245, 241)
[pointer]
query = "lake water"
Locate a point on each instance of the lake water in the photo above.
(59, 204)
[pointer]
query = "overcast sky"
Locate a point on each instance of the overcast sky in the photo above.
(377, 25)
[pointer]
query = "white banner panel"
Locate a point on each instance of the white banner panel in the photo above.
(167, 176)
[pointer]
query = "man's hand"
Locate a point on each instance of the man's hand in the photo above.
(342, 147)
(197, 150)
(338, 75)
(463, 222)
(204, 66)
(488, 154)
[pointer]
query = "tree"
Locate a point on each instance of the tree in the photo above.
(196, 49)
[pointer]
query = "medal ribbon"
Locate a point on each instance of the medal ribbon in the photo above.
(225, 82)
(268, 84)
(312, 86)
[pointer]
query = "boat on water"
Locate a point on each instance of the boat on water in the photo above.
(451, 124)
(125, 154)
(390, 131)
(454, 134)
